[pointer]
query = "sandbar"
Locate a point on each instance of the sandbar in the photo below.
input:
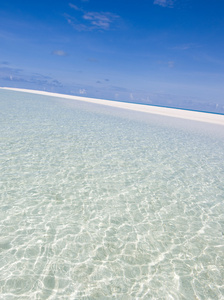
(165, 111)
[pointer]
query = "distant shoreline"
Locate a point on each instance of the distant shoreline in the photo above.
(159, 110)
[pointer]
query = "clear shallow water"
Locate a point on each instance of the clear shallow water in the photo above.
(97, 203)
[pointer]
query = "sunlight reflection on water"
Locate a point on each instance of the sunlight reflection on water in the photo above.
(99, 203)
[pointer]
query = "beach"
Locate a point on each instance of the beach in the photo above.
(165, 111)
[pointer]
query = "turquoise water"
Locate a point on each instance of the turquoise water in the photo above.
(100, 203)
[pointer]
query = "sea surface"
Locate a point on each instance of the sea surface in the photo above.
(103, 203)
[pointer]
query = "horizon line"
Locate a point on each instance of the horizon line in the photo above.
(188, 114)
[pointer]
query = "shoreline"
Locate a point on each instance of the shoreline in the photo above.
(159, 110)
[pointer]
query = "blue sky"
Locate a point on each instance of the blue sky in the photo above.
(161, 52)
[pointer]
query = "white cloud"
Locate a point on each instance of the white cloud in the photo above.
(100, 20)
(82, 91)
(164, 3)
(59, 53)
(89, 21)
(74, 6)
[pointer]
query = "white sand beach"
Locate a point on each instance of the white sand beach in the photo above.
(171, 112)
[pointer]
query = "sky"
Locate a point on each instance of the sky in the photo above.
(159, 52)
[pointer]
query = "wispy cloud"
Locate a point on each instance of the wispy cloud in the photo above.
(6, 63)
(32, 80)
(74, 6)
(169, 63)
(164, 3)
(100, 20)
(59, 53)
(209, 59)
(82, 91)
(20, 76)
(89, 20)
(185, 46)
(10, 70)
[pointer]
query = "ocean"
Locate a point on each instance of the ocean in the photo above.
(104, 203)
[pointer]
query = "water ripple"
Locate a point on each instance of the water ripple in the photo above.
(95, 206)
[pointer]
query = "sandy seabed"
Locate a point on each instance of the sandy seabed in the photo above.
(99, 202)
